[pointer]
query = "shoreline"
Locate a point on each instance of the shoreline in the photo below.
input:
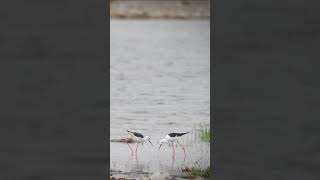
(144, 9)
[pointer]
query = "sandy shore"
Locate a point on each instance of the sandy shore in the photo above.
(164, 9)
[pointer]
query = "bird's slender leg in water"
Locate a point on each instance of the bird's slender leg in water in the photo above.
(173, 151)
(137, 148)
(130, 147)
(183, 149)
(172, 162)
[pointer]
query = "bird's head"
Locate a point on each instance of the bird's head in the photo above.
(163, 141)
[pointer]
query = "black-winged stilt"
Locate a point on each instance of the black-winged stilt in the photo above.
(171, 138)
(138, 138)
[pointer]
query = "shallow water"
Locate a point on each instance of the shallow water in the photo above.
(160, 80)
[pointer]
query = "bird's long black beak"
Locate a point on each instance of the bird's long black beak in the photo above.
(160, 146)
(150, 142)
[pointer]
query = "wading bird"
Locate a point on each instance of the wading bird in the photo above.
(138, 138)
(171, 138)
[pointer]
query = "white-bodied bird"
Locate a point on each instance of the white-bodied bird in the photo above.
(138, 138)
(171, 138)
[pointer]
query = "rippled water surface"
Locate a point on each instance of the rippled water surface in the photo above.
(159, 84)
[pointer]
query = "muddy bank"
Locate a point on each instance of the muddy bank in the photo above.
(178, 9)
(154, 176)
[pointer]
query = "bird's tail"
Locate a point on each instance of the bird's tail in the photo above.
(128, 131)
(184, 133)
(125, 130)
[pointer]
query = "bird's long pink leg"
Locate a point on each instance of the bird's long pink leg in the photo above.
(137, 148)
(173, 150)
(172, 162)
(130, 148)
(183, 149)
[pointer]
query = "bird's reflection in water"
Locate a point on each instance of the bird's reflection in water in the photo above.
(136, 166)
(133, 164)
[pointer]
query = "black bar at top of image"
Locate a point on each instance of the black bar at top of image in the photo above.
(54, 89)
(266, 89)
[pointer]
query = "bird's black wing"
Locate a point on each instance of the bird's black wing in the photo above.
(177, 134)
(136, 134)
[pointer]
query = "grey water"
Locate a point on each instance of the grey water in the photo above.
(160, 83)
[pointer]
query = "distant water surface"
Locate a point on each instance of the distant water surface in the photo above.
(160, 83)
